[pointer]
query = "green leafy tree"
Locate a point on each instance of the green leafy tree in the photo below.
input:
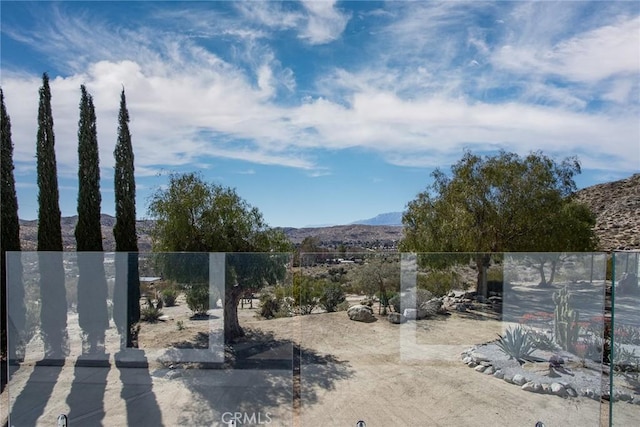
(194, 216)
(124, 230)
(380, 275)
(571, 230)
(92, 284)
(496, 204)
(9, 241)
(53, 312)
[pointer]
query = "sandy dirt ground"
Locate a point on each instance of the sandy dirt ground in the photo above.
(315, 370)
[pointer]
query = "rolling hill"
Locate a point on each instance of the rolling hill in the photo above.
(616, 206)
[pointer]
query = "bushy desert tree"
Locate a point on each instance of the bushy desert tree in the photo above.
(497, 203)
(195, 216)
(380, 275)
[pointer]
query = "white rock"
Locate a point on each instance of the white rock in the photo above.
(479, 357)
(480, 368)
(558, 389)
(519, 379)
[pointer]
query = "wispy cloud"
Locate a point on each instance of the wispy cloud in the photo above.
(317, 22)
(602, 53)
(427, 89)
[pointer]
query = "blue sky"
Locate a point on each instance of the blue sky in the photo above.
(323, 112)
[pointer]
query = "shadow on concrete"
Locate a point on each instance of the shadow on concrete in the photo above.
(32, 400)
(86, 397)
(137, 390)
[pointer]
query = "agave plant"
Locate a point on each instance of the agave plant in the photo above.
(517, 344)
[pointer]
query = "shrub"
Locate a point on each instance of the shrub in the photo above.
(269, 306)
(197, 297)
(517, 344)
(384, 296)
(625, 360)
(332, 295)
(150, 313)
(439, 283)
(275, 302)
(305, 294)
(169, 296)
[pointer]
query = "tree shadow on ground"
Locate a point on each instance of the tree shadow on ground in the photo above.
(137, 392)
(261, 379)
(86, 397)
(199, 341)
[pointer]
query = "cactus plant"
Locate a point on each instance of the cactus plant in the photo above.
(566, 328)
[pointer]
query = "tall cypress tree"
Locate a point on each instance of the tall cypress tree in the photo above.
(53, 312)
(92, 284)
(9, 241)
(124, 230)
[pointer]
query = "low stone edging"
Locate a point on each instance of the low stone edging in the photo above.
(561, 388)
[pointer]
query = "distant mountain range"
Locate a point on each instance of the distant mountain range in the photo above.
(615, 204)
(389, 218)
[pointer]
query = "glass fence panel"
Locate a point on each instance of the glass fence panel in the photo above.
(625, 335)
(419, 344)
(196, 356)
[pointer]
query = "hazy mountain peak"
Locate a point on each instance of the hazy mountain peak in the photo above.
(389, 218)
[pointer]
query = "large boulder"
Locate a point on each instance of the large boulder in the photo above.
(411, 313)
(430, 308)
(361, 313)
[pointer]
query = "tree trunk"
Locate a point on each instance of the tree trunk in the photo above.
(554, 266)
(543, 280)
(232, 328)
(482, 263)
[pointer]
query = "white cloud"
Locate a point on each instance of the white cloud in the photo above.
(189, 106)
(592, 56)
(319, 22)
(324, 22)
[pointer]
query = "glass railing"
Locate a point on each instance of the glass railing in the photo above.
(624, 393)
(205, 339)
(78, 351)
(426, 351)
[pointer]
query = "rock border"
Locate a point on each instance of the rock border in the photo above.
(481, 364)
